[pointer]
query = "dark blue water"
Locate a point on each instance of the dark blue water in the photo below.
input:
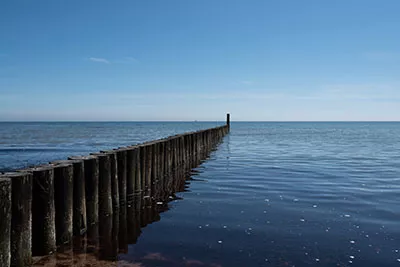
(273, 194)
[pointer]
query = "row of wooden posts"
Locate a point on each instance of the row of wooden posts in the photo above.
(43, 207)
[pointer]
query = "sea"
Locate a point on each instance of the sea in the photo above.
(270, 194)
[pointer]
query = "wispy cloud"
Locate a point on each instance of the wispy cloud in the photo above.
(99, 60)
(125, 60)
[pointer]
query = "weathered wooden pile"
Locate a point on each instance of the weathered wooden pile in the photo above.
(42, 208)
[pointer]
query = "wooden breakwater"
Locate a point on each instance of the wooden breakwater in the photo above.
(99, 196)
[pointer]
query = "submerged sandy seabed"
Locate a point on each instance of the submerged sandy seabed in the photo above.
(89, 260)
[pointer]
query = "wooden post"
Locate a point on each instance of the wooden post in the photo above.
(155, 170)
(153, 167)
(181, 173)
(187, 153)
(179, 167)
(212, 138)
(115, 204)
(105, 205)
(192, 150)
(160, 174)
(5, 222)
(203, 145)
(122, 171)
(171, 187)
(91, 168)
(130, 175)
(180, 156)
(173, 167)
(164, 157)
(167, 167)
(149, 156)
(92, 189)
(114, 179)
(228, 120)
(142, 160)
(21, 220)
(138, 171)
(114, 182)
(122, 220)
(162, 170)
(79, 206)
(104, 193)
(198, 148)
(63, 200)
(43, 210)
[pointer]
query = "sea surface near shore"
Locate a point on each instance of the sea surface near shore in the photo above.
(272, 194)
(29, 143)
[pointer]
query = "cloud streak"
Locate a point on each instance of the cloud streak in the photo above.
(99, 60)
(125, 60)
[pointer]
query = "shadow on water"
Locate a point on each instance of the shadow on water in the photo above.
(103, 243)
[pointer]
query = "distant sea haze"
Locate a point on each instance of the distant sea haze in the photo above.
(272, 194)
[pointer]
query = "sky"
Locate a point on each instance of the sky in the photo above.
(185, 60)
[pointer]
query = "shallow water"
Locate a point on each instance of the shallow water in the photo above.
(280, 194)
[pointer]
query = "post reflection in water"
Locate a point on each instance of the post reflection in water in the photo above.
(104, 241)
(133, 221)
(123, 231)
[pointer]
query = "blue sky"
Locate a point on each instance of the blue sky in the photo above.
(198, 59)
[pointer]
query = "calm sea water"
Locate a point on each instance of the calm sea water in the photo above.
(24, 144)
(272, 194)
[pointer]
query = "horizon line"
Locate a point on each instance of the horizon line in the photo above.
(193, 121)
